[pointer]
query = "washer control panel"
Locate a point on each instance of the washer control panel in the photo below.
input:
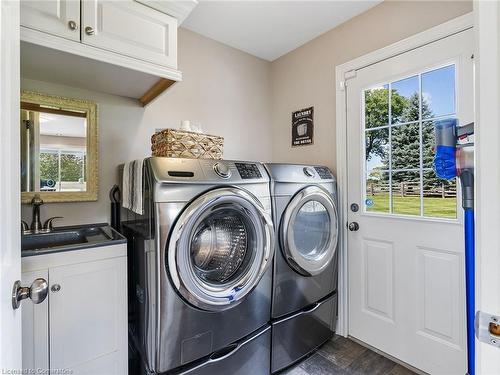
(309, 172)
(324, 173)
(248, 170)
(222, 170)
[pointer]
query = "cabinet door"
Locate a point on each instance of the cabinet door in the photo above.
(35, 327)
(131, 29)
(88, 317)
(57, 17)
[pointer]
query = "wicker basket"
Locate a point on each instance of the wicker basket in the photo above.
(175, 143)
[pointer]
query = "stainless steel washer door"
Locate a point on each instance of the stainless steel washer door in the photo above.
(309, 231)
(219, 248)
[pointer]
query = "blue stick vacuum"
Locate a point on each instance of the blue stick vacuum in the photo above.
(454, 157)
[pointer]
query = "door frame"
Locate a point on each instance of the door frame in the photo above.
(10, 191)
(343, 73)
(487, 80)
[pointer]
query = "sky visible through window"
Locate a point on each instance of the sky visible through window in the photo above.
(436, 88)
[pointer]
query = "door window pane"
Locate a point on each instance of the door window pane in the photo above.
(438, 92)
(377, 107)
(428, 144)
(377, 148)
(399, 157)
(406, 193)
(440, 196)
(377, 191)
(405, 146)
(405, 100)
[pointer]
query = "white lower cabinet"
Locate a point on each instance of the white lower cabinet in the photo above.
(35, 327)
(82, 325)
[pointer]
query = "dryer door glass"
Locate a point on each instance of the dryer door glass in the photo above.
(219, 248)
(310, 231)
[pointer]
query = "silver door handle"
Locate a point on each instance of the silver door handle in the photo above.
(89, 30)
(353, 227)
(37, 292)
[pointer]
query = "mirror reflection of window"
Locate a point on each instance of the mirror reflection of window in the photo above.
(54, 149)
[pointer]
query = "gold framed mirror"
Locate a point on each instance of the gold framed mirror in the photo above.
(59, 148)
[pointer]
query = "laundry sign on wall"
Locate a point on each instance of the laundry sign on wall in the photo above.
(303, 127)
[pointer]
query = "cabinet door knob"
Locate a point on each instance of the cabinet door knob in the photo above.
(89, 30)
(72, 25)
(55, 288)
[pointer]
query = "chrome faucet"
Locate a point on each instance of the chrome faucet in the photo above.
(36, 222)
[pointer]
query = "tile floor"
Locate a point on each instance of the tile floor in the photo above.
(344, 356)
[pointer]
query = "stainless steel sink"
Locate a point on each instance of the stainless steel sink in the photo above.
(69, 238)
(52, 239)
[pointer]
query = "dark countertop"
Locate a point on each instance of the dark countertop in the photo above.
(69, 238)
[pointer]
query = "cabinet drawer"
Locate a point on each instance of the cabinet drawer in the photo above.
(56, 17)
(131, 29)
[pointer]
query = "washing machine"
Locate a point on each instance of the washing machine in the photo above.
(305, 269)
(200, 275)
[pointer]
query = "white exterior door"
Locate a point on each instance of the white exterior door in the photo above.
(10, 189)
(406, 260)
(56, 17)
(131, 29)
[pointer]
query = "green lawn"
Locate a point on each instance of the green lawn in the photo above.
(433, 207)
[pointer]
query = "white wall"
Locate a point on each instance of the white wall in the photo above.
(226, 90)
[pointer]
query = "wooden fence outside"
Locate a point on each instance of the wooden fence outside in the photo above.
(408, 189)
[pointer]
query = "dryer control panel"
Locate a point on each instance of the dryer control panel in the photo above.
(248, 170)
(324, 173)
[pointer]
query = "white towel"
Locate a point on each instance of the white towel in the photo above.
(132, 186)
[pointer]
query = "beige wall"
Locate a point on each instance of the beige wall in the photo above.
(245, 99)
(226, 90)
(306, 76)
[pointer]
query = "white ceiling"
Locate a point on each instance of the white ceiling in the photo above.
(269, 29)
(62, 126)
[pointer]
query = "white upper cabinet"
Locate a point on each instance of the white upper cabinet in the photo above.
(178, 9)
(121, 47)
(120, 28)
(56, 17)
(131, 29)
